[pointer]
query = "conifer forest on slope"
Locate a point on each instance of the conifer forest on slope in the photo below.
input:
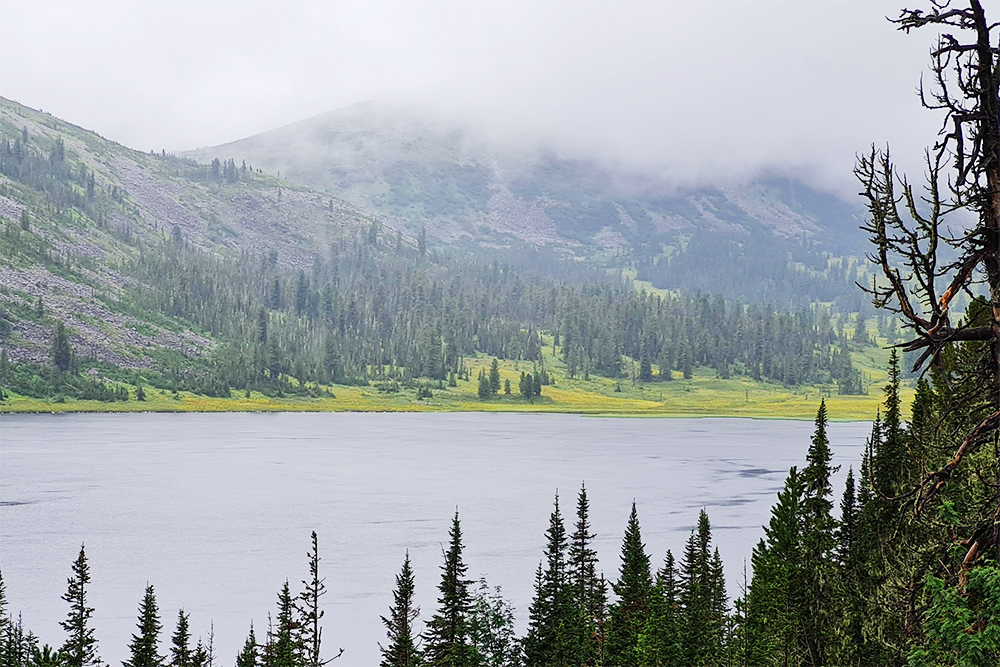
(905, 571)
(124, 272)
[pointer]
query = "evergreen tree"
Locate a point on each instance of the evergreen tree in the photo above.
(495, 376)
(402, 649)
(46, 657)
(447, 631)
(818, 545)
(145, 645)
(301, 294)
(629, 614)
(286, 649)
(4, 618)
(549, 640)
(659, 644)
(531, 644)
(850, 580)
(62, 352)
(80, 647)
(848, 524)
(19, 646)
(262, 318)
(702, 598)
(484, 385)
(201, 655)
(890, 546)
(249, 655)
(180, 642)
(587, 592)
(526, 386)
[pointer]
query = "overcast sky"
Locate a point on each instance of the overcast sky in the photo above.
(696, 87)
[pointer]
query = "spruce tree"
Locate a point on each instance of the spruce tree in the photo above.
(46, 657)
(850, 580)
(774, 608)
(80, 647)
(659, 644)
(144, 648)
(588, 595)
(62, 351)
(892, 547)
(848, 523)
(4, 618)
(19, 645)
(286, 649)
(249, 655)
(495, 376)
(702, 598)
(818, 545)
(484, 385)
(549, 640)
(180, 642)
(629, 613)
(201, 655)
(533, 643)
(447, 631)
(402, 649)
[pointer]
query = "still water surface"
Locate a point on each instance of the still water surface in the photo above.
(216, 510)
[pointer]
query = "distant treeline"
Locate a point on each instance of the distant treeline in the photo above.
(756, 268)
(364, 311)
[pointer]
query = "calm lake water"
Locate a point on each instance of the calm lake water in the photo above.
(216, 510)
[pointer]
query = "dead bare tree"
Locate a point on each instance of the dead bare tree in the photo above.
(924, 265)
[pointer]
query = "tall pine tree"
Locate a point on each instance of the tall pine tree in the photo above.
(80, 647)
(180, 642)
(587, 591)
(144, 648)
(550, 639)
(402, 649)
(630, 612)
(818, 545)
(447, 631)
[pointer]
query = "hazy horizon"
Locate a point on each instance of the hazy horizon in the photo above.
(727, 90)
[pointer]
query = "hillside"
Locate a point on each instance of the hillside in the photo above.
(123, 272)
(406, 163)
(778, 238)
(75, 208)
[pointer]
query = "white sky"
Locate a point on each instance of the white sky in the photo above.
(695, 87)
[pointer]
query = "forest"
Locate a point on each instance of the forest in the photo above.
(373, 309)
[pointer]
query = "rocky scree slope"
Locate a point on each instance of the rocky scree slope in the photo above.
(76, 208)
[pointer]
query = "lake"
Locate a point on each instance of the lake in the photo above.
(215, 510)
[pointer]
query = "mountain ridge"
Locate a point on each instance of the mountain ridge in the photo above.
(405, 163)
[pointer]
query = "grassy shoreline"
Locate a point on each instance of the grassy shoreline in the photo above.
(704, 395)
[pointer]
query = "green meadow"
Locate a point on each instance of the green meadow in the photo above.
(704, 394)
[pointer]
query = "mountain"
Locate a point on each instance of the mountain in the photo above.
(413, 167)
(76, 208)
(120, 269)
